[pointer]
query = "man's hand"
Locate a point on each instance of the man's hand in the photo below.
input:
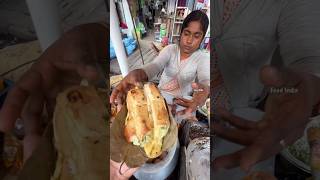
(115, 170)
(73, 57)
(289, 105)
(200, 95)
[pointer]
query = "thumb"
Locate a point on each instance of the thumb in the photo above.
(276, 77)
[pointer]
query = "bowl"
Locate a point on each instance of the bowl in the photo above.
(162, 169)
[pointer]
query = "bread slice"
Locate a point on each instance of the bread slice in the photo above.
(130, 131)
(160, 118)
(157, 108)
(80, 135)
(138, 111)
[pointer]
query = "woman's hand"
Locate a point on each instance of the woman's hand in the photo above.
(73, 57)
(292, 98)
(134, 78)
(200, 95)
(126, 172)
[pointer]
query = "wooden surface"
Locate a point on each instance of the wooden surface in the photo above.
(158, 46)
(134, 60)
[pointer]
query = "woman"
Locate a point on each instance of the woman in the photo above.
(182, 64)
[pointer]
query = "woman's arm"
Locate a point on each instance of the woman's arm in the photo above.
(298, 32)
(201, 93)
(159, 63)
(203, 76)
(135, 77)
(299, 38)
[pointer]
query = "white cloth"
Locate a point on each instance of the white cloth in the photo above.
(249, 39)
(194, 68)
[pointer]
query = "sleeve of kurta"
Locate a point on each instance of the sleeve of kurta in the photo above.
(299, 35)
(159, 63)
(203, 69)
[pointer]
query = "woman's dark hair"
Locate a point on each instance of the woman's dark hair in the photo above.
(196, 15)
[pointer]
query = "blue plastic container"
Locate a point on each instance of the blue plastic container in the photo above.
(129, 43)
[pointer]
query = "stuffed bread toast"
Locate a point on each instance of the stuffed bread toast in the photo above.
(147, 120)
(80, 135)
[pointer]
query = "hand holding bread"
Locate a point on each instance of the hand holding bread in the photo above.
(133, 79)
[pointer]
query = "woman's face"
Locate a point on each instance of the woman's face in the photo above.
(191, 37)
